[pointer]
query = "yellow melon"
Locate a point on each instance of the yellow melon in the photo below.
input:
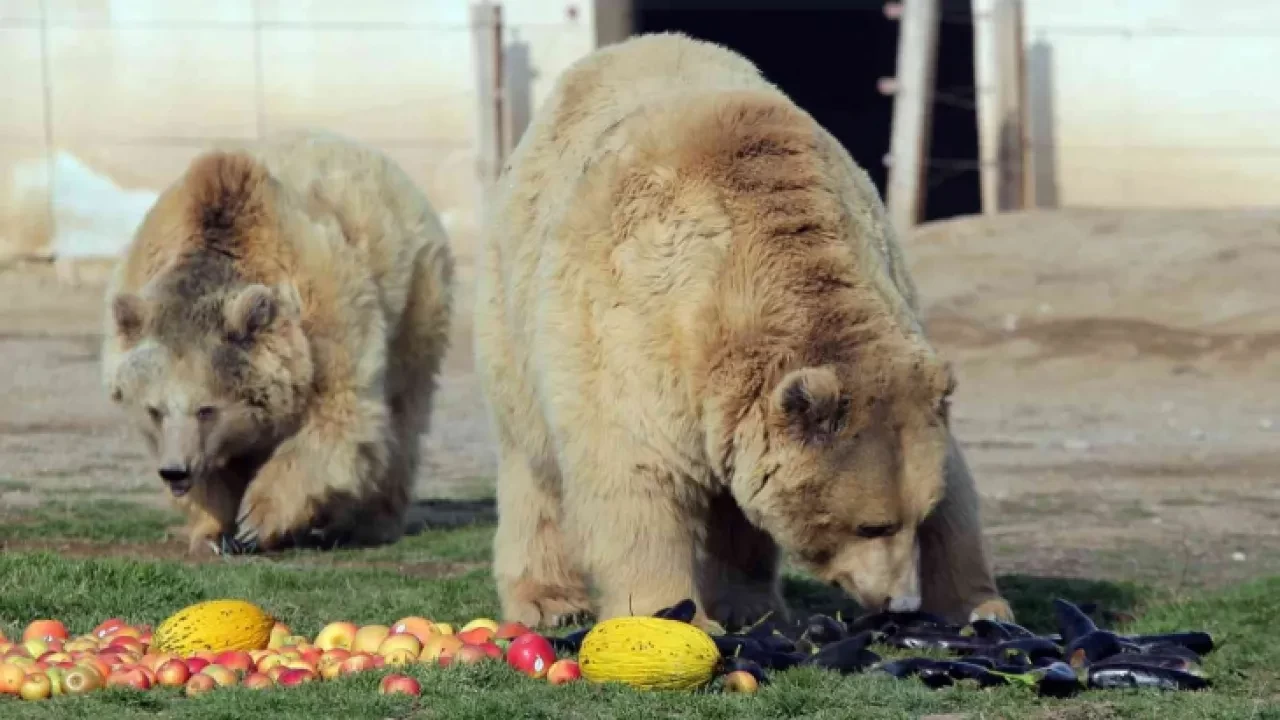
(215, 625)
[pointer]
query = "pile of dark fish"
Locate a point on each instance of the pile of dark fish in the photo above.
(987, 653)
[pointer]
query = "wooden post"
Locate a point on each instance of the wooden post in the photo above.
(998, 72)
(615, 21)
(912, 111)
(987, 96)
(486, 31)
(1011, 68)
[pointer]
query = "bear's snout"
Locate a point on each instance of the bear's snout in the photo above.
(178, 478)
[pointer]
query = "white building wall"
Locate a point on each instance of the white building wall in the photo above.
(1157, 103)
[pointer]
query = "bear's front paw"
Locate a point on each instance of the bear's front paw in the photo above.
(262, 525)
(229, 545)
(992, 609)
(542, 606)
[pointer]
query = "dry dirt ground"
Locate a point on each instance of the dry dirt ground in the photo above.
(1119, 391)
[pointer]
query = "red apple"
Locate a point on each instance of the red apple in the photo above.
(563, 671)
(236, 661)
(741, 681)
(53, 657)
(492, 625)
(17, 651)
(36, 647)
(275, 673)
(80, 680)
(124, 631)
(106, 627)
(154, 660)
(440, 645)
(294, 641)
(399, 658)
(311, 655)
(224, 676)
(475, 635)
(511, 630)
(36, 686)
(531, 654)
(300, 665)
(358, 662)
(399, 684)
(130, 644)
(369, 637)
(25, 663)
(400, 641)
(470, 655)
(11, 677)
(196, 664)
(270, 661)
(199, 684)
(257, 681)
(491, 649)
(341, 634)
(173, 673)
(45, 630)
(292, 677)
(80, 645)
(279, 632)
(132, 677)
(336, 655)
(95, 664)
(418, 627)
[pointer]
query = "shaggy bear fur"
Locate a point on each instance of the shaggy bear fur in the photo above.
(700, 348)
(275, 330)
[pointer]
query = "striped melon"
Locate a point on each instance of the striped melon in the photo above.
(214, 625)
(648, 653)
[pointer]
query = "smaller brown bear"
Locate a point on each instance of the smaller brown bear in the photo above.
(275, 329)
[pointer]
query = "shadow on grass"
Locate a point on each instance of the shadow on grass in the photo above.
(443, 514)
(1031, 597)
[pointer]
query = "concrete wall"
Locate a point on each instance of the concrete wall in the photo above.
(1158, 103)
(105, 101)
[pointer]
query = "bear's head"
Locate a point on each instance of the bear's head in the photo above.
(841, 463)
(213, 379)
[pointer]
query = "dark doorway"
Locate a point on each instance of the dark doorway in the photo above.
(827, 55)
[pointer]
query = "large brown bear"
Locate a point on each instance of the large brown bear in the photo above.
(275, 329)
(699, 347)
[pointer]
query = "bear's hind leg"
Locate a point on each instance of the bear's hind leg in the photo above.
(956, 579)
(539, 583)
(738, 568)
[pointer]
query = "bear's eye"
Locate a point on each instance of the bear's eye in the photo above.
(155, 414)
(206, 413)
(878, 531)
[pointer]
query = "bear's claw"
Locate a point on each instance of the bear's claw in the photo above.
(228, 545)
(993, 609)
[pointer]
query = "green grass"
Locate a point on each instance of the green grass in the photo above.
(308, 589)
(99, 521)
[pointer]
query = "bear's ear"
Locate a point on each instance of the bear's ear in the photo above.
(129, 312)
(810, 401)
(249, 313)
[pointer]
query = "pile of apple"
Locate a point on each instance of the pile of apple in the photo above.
(47, 661)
